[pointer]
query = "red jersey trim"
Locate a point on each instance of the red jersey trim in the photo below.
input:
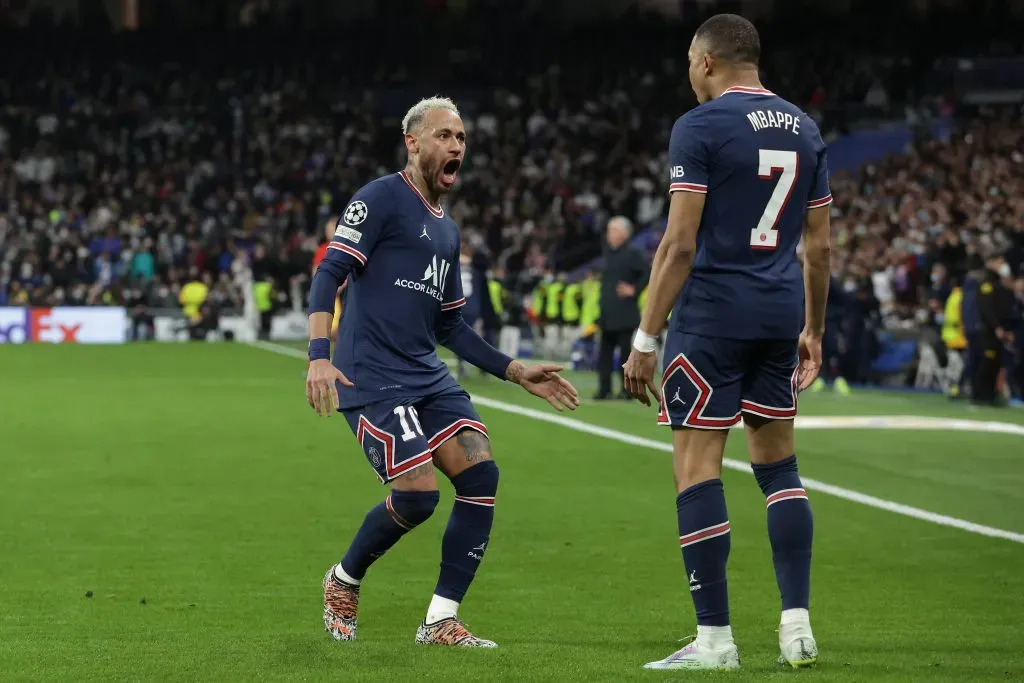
(454, 428)
(388, 440)
(437, 212)
(824, 201)
(452, 305)
(747, 91)
(355, 253)
(687, 187)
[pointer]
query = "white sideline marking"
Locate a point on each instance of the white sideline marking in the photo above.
(898, 422)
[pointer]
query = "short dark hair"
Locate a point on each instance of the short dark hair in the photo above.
(731, 38)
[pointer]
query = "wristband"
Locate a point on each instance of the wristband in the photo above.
(644, 343)
(319, 349)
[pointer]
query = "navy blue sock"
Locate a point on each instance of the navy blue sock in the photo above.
(400, 513)
(705, 540)
(469, 528)
(790, 529)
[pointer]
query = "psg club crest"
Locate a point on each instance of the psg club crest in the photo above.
(375, 457)
(356, 213)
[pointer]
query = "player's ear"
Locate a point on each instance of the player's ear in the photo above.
(412, 145)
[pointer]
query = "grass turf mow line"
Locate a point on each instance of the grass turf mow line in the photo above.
(886, 422)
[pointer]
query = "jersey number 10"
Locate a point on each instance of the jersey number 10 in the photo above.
(409, 432)
(766, 235)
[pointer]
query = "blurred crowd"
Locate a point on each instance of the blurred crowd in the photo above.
(134, 173)
(918, 228)
(130, 167)
(905, 228)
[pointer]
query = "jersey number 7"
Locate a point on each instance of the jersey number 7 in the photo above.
(765, 236)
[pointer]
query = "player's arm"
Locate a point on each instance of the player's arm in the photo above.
(359, 229)
(817, 244)
(671, 267)
(673, 260)
(689, 161)
(322, 294)
(454, 333)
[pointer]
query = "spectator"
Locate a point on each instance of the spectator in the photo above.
(994, 311)
(955, 340)
(193, 298)
(123, 170)
(263, 293)
(625, 275)
(1017, 374)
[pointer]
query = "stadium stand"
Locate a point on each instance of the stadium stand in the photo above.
(139, 175)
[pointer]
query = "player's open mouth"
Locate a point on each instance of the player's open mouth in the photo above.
(449, 171)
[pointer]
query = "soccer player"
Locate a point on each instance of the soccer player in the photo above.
(400, 252)
(749, 179)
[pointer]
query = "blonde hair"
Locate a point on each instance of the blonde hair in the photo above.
(414, 117)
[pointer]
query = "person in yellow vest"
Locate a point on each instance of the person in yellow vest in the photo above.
(590, 310)
(193, 299)
(572, 305)
(537, 301)
(192, 296)
(509, 332)
(536, 312)
(496, 293)
(553, 316)
(955, 339)
(263, 294)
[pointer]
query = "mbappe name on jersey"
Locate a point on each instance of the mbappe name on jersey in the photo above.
(760, 119)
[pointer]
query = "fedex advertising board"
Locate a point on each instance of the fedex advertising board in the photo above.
(63, 325)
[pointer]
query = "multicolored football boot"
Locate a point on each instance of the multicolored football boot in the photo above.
(341, 604)
(450, 632)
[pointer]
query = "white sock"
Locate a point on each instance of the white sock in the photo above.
(441, 608)
(341, 575)
(715, 636)
(795, 616)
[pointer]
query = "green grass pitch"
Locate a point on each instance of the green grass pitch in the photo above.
(194, 496)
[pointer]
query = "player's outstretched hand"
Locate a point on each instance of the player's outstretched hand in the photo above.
(638, 377)
(544, 382)
(810, 359)
(322, 388)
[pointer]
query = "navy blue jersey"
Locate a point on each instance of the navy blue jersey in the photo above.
(471, 311)
(761, 162)
(404, 256)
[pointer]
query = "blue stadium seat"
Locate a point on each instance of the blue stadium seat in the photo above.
(896, 356)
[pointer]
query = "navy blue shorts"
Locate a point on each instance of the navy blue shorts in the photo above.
(708, 382)
(399, 436)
